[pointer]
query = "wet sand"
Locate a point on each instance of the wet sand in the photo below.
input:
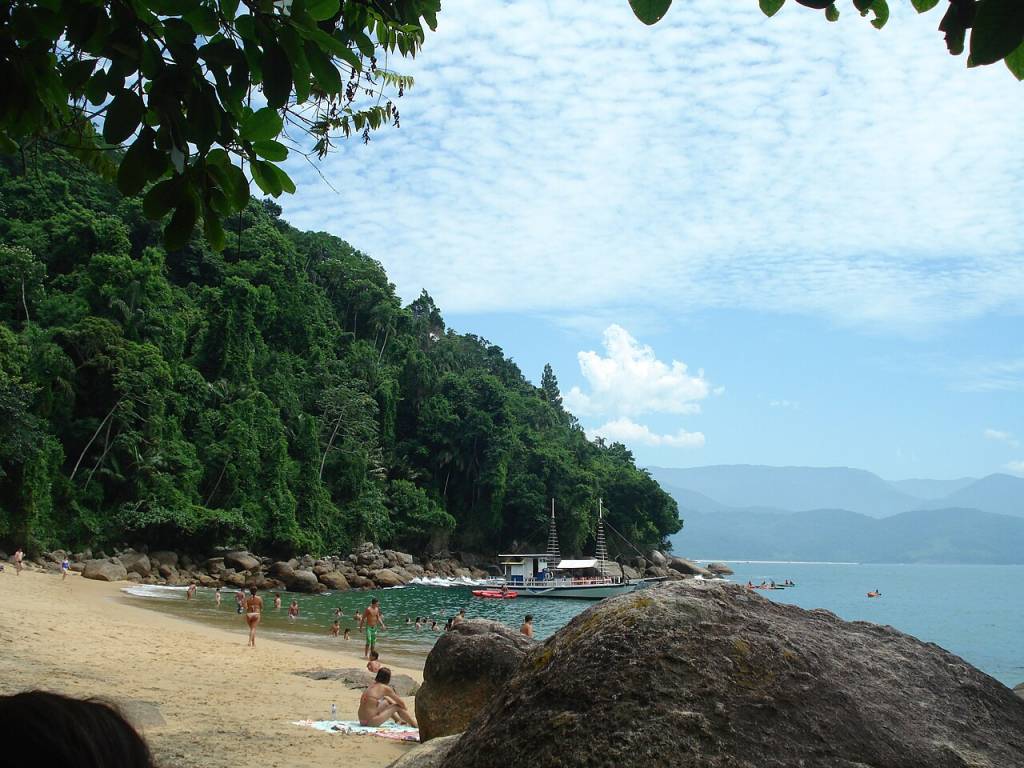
(223, 704)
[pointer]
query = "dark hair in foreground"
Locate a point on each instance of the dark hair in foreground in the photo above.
(374, 655)
(62, 731)
(383, 676)
(529, 617)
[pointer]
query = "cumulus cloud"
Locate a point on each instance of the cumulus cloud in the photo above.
(630, 380)
(717, 160)
(1016, 467)
(626, 431)
(1000, 436)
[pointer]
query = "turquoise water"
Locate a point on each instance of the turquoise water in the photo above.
(974, 611)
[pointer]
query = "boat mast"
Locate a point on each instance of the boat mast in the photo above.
(554, 554)
(601, 550)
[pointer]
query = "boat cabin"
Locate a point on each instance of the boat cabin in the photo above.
(519, 568)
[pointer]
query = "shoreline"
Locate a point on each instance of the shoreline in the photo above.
(219, 701)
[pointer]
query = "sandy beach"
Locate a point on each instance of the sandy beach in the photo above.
(224, 704)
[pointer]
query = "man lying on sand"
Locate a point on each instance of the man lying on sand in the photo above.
(379, 703)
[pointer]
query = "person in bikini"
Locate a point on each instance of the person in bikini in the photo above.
(379, 703)
(373, 620)
(253, 614)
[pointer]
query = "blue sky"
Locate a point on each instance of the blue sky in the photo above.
(737, 240)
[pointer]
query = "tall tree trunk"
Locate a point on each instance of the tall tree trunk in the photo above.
(94, 436)
(330, 442)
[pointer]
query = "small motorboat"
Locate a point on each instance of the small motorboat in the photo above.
(497, 593)
(874, 594)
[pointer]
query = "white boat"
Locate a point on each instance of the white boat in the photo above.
(548, 575)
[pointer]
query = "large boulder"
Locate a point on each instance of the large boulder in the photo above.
(104, 570)
(1019, 690)
(241, 561)
(720, 569)
(657, 558)
(357, 678)
(689, 568)
(698, 674)
(334, 580)
(428, 755)
(386, 577)
(463, 671)
(136, 562)
(282, 570)
(164, 557)
(303, 581)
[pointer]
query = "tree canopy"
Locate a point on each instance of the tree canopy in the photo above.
(996, 26)
(274, 394)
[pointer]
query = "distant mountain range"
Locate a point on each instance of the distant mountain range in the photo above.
(745, 512)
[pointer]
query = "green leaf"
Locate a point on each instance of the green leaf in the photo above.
(228, 8)
(245, 25)
(162, 198)
(183, 222)
(363, 43)
(277, 75)
(123, 116)
(293, 47)
(265, 178)
(924, 5)
(270, 150)
(650, 11)
(203, 20)
(132, 172)
(263, 125)
(832, 13)
(213, 230)
(1015, 62)
(284, 180)
(326, 73)
(771, 7)
(96, 88)
(881, 10)
(998, 30)
(321, 10)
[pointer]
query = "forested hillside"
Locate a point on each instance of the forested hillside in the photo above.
(276, 395)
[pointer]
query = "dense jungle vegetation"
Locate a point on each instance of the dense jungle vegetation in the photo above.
(275, 395)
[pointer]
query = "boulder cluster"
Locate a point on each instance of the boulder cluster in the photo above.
(368, 567)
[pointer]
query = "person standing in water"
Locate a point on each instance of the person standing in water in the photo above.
(373, 620)
(293, 610)
(253, 614)
(527, 628)
(277, 601)
(240, 600)
(216, 597)
(190, 592)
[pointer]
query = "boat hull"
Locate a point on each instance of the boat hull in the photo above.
(578, 592)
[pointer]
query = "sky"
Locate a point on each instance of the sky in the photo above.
(736, 239)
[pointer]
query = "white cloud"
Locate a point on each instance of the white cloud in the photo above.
(1017, 467)
(1000, 436)
(991, 376)
(717, 160)
(630, 380)
(793, 405)
(626, 431)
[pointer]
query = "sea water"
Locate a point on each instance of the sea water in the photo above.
(975, 611)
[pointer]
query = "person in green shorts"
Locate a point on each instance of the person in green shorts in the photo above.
(372, 619)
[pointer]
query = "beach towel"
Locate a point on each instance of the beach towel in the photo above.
(389, 730)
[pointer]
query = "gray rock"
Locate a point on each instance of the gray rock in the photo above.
(104, 570)
(657, 558)
(386, 577)
(428, 755)
(688, 568)
(283, 571)
(134, 577)
(241, 561)
(1019, 690)
(214, 565)
(232, 579)
(78, 567)
(166, 571)
(136, 562)
(463, 672)
(57, 556)
(334, 580)
(690, 674)
(405, 558)
(304, 581)
(720, 569)
(164, 557)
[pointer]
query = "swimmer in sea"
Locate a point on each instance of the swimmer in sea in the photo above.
(293, 610)
(253, 614)
(335, 628)
(527, 628)
(346, 636)
(379, 703)
(217, 597)
(190, 592)
(277, 601)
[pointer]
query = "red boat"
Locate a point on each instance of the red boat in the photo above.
(494, 593)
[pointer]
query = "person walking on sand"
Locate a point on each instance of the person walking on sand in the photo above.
(527, 628)
(372, 619)
(379, 703)
(18, 557)
(65, 566)
(253, 614)
(293, 610)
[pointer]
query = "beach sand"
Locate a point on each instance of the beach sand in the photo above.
(224, 704)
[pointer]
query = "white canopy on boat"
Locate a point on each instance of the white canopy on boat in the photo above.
(567, 564)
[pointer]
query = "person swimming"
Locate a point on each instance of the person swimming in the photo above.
(293, 610)
(253, 614)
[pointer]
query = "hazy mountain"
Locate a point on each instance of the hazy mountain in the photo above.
(931, 489)
(922, 536)
(790, 488)
(1001, 494)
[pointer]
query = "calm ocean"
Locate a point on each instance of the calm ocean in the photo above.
(975, 611)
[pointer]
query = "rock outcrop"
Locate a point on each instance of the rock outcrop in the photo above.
(428, 755)
(104, 570)
(241, 561)
(720, 569)
(304, 581)
(463, 671)
(690, 674)
(1019, 690)
(688, 568)
(334, 580)
(136, 562)
(356, 678)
